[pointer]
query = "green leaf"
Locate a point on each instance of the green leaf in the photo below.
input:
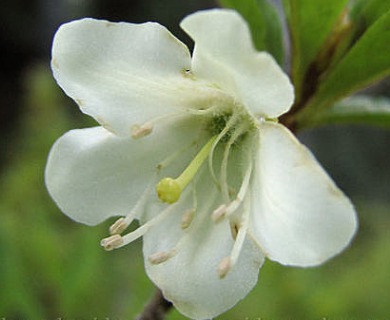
(310, 23)
(264, 22)
(367, 62)
(356, 110)
(366, 12)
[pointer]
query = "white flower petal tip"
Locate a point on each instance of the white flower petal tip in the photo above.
(109, 68)
(252, 77)
(299, 216)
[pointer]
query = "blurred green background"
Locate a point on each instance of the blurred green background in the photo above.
(52, 267)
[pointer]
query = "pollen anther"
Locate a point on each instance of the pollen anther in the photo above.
(219, 213)
(160, 257)
(112, 242)
(187, 218)
(138, 131)
(224, 267)
(118, 226)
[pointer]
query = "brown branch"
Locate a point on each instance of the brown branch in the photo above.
(156, 309)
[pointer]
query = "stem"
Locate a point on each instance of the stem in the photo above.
(156, 309)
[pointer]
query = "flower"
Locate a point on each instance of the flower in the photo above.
(192, 149)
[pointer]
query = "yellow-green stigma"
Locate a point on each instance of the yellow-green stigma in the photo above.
(169, 189)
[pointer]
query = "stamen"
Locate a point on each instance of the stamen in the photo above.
(130, 237)
(224, 267)
(225, 130)
(169, 189)
(235, 204)
(122, 223)
(112, 242)
(234, 227)
(187, 218)
(160, 257)
(219, 213)
(203, 112)
(117, 241)
(227, 263)
(168, 160)
(138, 131)
(224, 166)
(119, 226)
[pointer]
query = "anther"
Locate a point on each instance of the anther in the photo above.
(112, 242)
(224, 267)
(219, 213)
(187, 218)
(234, 227)
(119, 226)
(138, 131)
(160, 257)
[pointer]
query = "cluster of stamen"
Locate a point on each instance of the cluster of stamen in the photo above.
(226, 129)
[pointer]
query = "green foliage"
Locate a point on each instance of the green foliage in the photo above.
(357, 110)
(337, 48)
(310, 23)
(264, 22)
(368, 61)
(366, 12)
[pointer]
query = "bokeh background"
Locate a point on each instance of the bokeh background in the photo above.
(52, 267)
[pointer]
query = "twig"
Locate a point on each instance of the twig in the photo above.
(156, 309)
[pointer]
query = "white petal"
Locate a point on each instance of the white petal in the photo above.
(92, 174)
(300, 217)
(224, 54)
(190, 279)
(122, 74)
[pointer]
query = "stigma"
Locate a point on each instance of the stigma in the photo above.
(169, 189)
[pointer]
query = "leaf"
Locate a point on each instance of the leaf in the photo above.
(310, 23)
(367, 62)
(366, 12)
(264, 22)
(357, 110)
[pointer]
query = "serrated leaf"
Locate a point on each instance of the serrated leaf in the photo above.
(356, 110)
(310, 23)
(367, 62)
(264, 22)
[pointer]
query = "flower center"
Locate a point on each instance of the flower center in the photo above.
(229, 154)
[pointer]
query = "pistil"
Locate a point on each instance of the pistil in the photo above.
(170, 189)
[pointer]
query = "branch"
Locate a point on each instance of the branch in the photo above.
(156, 309)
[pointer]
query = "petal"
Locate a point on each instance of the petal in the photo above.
(92, 174)
(224, 54)
(300, 217)
(122, 74)
(190, 279)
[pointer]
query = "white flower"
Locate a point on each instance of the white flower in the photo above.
(241, 186)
